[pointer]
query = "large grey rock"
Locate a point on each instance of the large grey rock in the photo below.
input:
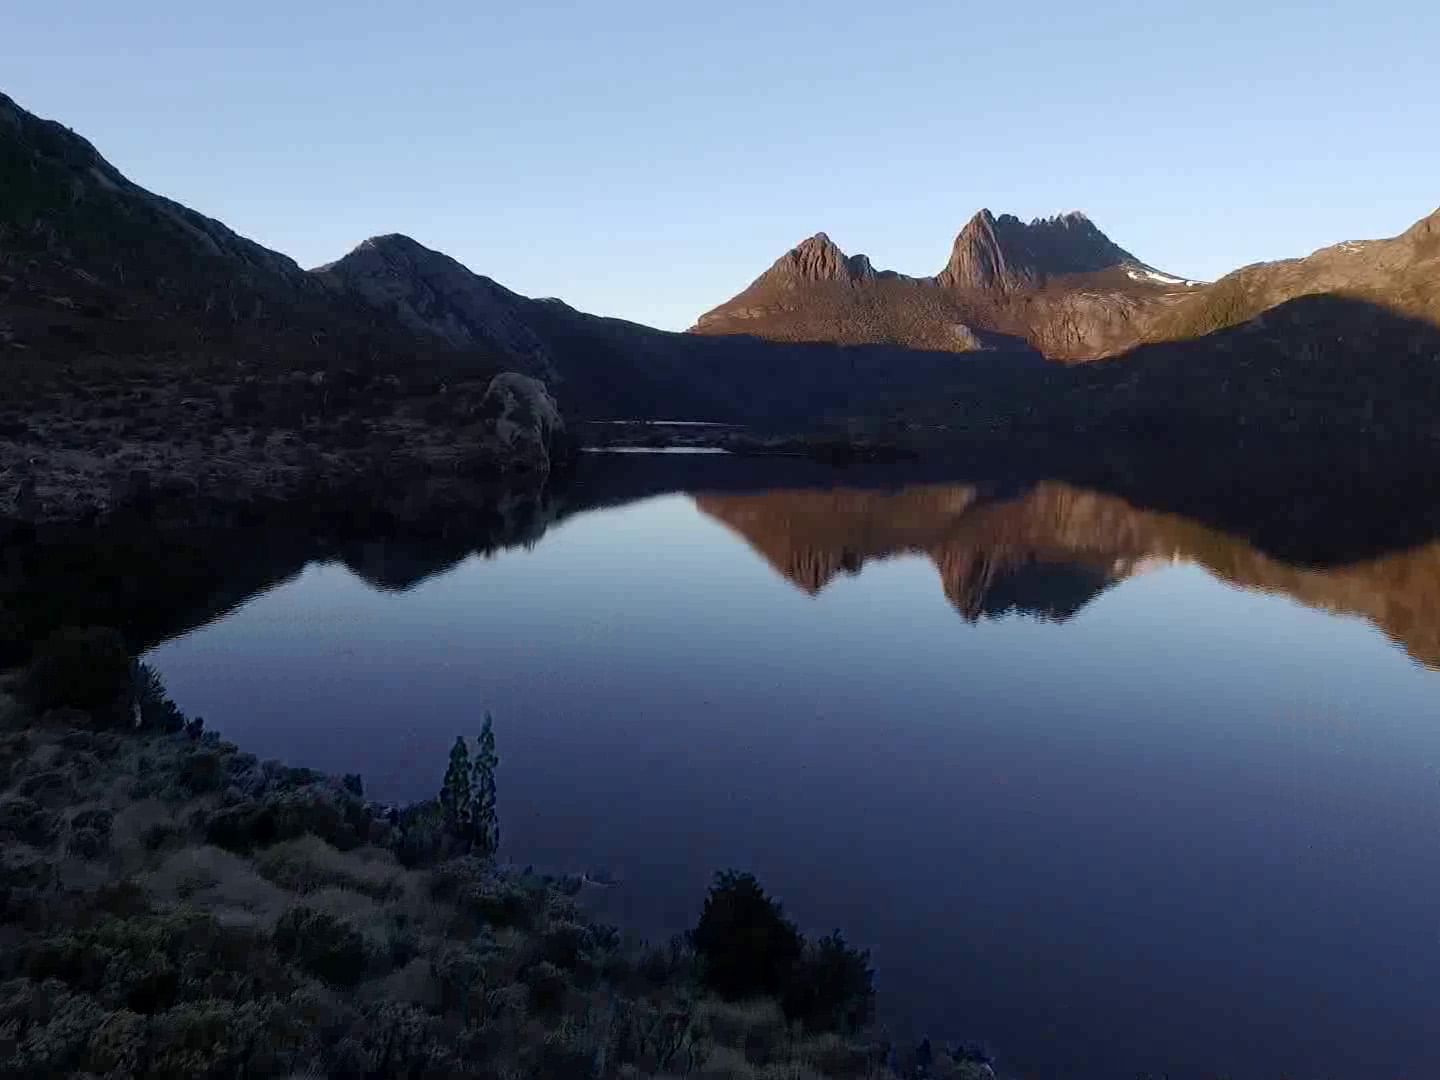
(527, 422)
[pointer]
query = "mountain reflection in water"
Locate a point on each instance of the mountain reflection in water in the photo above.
(1112, 803)
(1050, 550)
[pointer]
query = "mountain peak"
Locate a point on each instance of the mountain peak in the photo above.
(1005, 252)
(819, 258)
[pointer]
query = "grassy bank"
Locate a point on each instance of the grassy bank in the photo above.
(171, 906)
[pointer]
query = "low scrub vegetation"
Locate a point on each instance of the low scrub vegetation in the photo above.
(170, 906)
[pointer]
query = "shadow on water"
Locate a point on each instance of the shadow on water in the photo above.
(1001, 539)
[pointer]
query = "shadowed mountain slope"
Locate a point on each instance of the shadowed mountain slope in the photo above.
(611, 368)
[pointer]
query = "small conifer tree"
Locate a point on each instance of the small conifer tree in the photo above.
(455, 795)
(484, 822)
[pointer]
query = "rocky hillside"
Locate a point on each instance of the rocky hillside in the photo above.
(1062, 286)
(152, 355)
(610, 368)
(1401, 274)
(1059, 284)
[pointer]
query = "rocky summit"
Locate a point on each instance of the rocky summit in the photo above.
(1061, 286)
(1057, 284)
(1007, 253)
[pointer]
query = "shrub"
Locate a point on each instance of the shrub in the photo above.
(308, 864)
(45, 1027)
(79, 667)
(422, 838)
(328, 948)
(459, 973)
(547, 985)
(200, 772)
(563, 943)
(832, 987)
(222, 1039)
(333, 816)
(23, 820)
(393, 1039)
(746, 945)
(152, 702)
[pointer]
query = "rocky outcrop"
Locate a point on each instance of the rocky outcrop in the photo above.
(819, 259)
(1006, 253)
(525, 420)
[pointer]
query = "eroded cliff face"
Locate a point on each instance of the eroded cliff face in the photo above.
(1066, 289)
(1058, 284)
(1049, 552)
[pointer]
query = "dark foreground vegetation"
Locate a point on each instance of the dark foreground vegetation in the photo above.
(170, 906)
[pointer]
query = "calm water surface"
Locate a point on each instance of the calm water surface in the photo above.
(1086, 801)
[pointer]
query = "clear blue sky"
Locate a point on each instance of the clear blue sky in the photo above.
(648, 159)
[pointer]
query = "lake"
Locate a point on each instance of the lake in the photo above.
(1106, 789)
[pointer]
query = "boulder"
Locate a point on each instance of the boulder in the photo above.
(527, 426)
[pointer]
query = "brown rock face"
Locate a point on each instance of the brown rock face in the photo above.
(1069, 291)
(1059, 284)
(1006, 253)
(818, 259)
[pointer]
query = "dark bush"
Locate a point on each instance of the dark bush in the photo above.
(832, 987)
(746, 946)
(563, 943)
(201, 772)
(24, 820)
(423, 839)
(459, 973)
(50, 788)
(80, 667)
(394, 1039)
(147, 691)
(326, 947)
(547, 985)
(660, 965)
(335, 817)
(85, 843)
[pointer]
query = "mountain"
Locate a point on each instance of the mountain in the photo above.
(612, 369)
(1401, 274)
(149, 347)
(153, 355)
(1062, 286)
(62, 197)
(1006, 253)
(431, 294)
(1058, 284)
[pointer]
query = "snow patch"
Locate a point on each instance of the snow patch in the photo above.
(1154, 275)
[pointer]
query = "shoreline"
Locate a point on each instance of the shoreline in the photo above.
(173, 906)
